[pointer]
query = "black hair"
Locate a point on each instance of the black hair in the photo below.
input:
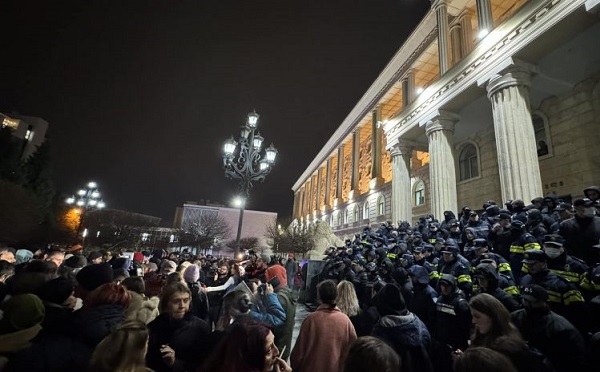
(327, 292)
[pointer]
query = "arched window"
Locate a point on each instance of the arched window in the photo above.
(332, 220)
(380, 205)
(540, 129)
(366, 210)
(346, 215)
(339, 218)
(419, 193)
(355, 214)
(468, 163)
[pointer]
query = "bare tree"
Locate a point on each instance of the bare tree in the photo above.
(204, 231)
(292, 238)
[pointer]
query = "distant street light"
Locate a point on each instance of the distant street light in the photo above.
(245, 161)
(87, 199)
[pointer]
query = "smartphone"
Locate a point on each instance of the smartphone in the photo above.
(274, 282)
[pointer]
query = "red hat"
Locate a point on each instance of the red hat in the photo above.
(138, 256)
(279, 272)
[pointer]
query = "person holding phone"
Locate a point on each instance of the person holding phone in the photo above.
(276, 276)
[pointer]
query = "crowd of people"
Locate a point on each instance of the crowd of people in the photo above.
(502, 288)
(515, 284)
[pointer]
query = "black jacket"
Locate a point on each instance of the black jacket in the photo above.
(188, 337)
(71, 349)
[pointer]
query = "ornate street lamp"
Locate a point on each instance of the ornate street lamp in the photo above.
(87, 199)
(246, 161)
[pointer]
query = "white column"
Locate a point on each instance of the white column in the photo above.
(484, 17)
(340, 174)
(442, 173)
(327, 205)
(466, 30)
(456, 43)
(401, 187)
(376, 179)
(515, 139)
(354, 191)
(319, 188)
(408, 88)
(441, 12)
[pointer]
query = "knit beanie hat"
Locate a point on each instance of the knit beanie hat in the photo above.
(56, 291)
(138, 256)
(93, 276)
(21, 312)
(93, 255)
(390, 301)
(76, 262)
(277, 271)
(191, 274)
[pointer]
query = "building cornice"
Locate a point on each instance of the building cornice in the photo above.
(414, 45)
(535, 18)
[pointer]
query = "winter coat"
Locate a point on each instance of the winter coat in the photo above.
(554, 336)
(187, 337)
(581, 234)
(409, 337)
(283, 333)
(142, 308)
(70, 350)
(324, 337)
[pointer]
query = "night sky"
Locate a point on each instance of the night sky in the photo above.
(141, 95)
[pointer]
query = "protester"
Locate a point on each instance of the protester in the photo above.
(367, 354)
(324, 335)
(124, 349)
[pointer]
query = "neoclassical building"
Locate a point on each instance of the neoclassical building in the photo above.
(486, 99)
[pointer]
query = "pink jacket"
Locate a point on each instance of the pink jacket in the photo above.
(324, 337)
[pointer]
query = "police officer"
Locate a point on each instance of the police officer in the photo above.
(522, 241)
(482, 252)
(450, 264)
(571, 268)
(564, 298)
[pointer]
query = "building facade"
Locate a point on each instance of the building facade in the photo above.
(254, 224)
(486, 99)
(30, 130)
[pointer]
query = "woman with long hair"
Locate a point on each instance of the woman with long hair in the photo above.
(490, 320)
(123, 350)
(346, 300)
(324, 335)
(238, 305)
(246, 347)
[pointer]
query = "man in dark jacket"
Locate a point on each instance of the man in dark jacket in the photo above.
(402, 330)
(283, 333)
(487, 278)
(424, 296)
(549, 332)
(582, 231)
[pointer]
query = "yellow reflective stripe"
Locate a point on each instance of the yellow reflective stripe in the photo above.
(572, 296)
(524, 269)
(569, 275)
(516, 249)
(589, 285)
(554, 296)
(505, 266)
(434, 275)
(392, 255)
(465, 278)
(432, 240)
(511, 290)
(529, 246)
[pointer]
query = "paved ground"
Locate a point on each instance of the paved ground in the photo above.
(301, 313)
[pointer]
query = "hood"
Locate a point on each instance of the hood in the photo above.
(381, 253)
(93, 324)
(420, 273)
(449, 215)
(492, 210)
(594, 188)
(488, 271)
(450, 279)
(407, 330)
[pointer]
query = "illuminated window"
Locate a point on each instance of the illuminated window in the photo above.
(380, 205)
(339, 218)
(468, 163)
(419, 193)
(366, 210)
(346, 215)
(11, 123)
(356, 213)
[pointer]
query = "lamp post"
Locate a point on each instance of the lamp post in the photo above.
(246, 161)
(87, 199)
